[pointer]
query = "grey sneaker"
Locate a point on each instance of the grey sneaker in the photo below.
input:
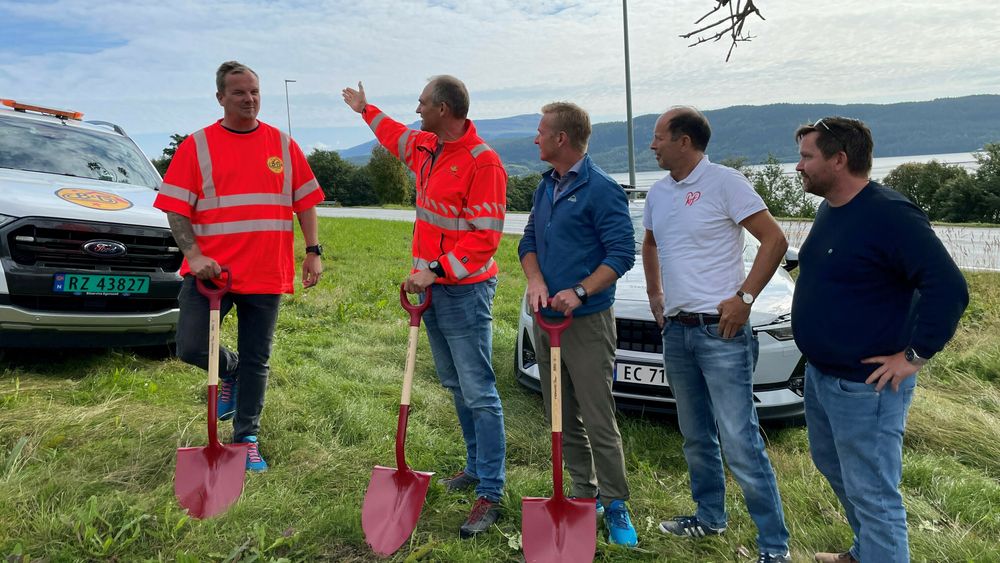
(458, 482)
(689, 526)
(484, 514)
(771, 558)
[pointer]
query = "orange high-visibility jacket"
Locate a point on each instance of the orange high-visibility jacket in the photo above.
(461, 197)
(239, 190)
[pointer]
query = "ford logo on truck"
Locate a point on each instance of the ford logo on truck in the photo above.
(104, 248)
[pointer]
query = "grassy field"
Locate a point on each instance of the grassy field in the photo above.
(88, 440)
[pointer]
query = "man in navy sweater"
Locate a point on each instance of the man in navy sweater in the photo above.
(577, 243)
(877, 296)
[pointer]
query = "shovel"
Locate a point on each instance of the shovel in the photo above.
(557, 529)
(208, 480)
(395, 496)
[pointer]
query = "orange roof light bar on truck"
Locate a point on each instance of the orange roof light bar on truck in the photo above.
(61, 113)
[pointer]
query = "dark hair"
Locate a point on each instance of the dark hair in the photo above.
(691, 122)
(227, 68)
(450, 90)
(837, 134)
(571, 119)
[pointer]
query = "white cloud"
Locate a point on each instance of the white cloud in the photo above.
(515, 55)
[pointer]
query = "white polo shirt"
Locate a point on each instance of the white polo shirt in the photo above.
(699, 240)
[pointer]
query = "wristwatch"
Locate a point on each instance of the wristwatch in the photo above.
(911, 356)
(316, 249)
(746, 297)
(580, 292)
(437, 268)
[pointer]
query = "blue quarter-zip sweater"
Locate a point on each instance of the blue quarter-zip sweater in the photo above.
(587, 226)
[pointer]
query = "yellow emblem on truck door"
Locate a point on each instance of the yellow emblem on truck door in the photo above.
(94, 199)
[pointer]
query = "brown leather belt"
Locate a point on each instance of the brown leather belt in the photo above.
(695, 319)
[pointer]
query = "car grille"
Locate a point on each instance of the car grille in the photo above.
(639, 336)
(59, 244)
(93, 303)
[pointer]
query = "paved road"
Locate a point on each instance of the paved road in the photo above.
(973, 248)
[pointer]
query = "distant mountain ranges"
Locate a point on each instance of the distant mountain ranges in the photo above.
(940, 126)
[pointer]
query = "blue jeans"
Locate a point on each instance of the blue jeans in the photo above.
(257, 315)
(712, 381)
(856, 442)
(460, 330)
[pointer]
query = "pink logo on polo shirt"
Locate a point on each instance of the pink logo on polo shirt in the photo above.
(692, 197)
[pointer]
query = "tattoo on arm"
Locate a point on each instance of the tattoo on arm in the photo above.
(182, 230)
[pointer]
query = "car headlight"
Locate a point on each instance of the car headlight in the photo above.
(780, 333)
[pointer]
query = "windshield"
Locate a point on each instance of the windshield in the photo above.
(54, 148)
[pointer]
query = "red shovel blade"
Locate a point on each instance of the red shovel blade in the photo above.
(209, 479)
(558, 529)
(392, 507)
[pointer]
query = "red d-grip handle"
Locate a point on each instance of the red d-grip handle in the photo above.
(556, 329)
(214, 294)
(415, 311)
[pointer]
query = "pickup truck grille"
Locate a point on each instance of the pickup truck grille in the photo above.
(59, 244)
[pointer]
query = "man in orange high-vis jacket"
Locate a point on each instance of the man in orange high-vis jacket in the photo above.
(461, 199)
(229, 195)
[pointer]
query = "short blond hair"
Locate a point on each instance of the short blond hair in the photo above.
(572, 120)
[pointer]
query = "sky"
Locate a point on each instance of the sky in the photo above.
(150, 66)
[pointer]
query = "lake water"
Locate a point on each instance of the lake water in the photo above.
(880, 167)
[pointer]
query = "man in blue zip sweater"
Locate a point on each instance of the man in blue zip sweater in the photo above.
(877, 295)
(577, 243)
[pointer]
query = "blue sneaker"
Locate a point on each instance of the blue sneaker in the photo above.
(226, 404)
(620, 529)
(255, 462)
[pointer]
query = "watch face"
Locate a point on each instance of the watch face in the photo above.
(909, 354)
(747, 298)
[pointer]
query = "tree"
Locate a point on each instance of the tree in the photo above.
(521, 191)
(927, 185)
(163, 162)
(342, 182)
(731, 25)
(783, 193)
(389, 177)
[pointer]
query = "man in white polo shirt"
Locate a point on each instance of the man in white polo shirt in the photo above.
(701, 296)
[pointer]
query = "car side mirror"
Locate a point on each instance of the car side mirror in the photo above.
(791, 259)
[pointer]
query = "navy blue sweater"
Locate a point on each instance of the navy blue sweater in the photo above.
(874, 279)
(588, 226)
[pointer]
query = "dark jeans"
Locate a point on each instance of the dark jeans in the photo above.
(257, 315)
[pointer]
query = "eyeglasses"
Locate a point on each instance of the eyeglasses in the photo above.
(820, 122)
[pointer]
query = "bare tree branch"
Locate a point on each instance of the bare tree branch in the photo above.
(731, 25)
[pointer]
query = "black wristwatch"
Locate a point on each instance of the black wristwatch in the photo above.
(316, 249)
(580, 292)
(437, 268)
(911, 356)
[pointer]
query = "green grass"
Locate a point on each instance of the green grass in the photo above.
(88, 440)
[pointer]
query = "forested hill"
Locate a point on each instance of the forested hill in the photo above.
(945, 125)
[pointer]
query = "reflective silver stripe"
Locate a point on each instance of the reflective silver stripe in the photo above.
(480, 149)
(454, 210)
(286, 158)
(306, 189)
(234, 227)
(242, 199)
(446, 223)
(457, 266)
(420, 264)
(487, 207)
(433, 203)
(179, 193)
(378, 119)
(204, 163)
(401, 147)
(484, 269)
(487, 223)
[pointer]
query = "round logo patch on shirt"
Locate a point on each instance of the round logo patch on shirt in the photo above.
(275, 165)
(94, 199)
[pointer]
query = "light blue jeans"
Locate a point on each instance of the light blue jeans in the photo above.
(712, 381)
(856, 441)
(460, 330)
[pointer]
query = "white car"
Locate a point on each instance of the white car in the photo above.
(639, 380)
(85, 259)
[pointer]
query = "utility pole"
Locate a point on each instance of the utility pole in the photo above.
(288, 109)
(628, 100)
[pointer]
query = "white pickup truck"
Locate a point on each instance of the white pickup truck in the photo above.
(85, 259)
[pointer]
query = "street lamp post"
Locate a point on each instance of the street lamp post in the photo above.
(628, 100)
(288, 109)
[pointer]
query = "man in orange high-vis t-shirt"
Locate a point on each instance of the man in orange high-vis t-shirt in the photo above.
(229, 195)
(461, 201)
